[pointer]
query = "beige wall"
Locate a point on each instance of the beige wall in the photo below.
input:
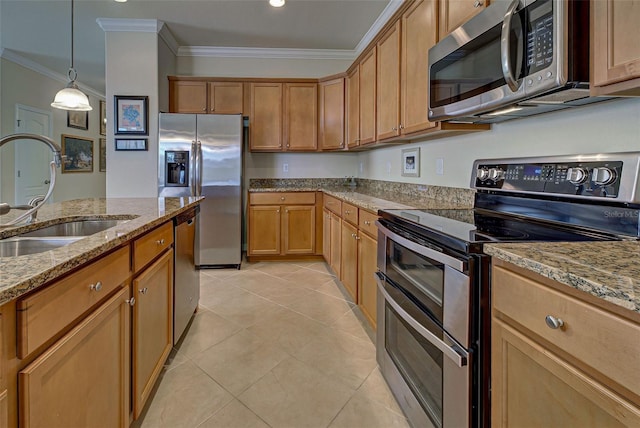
(166, 67)
(23, 86)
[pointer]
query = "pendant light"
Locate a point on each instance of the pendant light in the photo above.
(70, 97)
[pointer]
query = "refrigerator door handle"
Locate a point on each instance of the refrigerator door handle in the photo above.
(192, 167)
(199, 168)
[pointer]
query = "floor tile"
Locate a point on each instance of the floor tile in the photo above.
(309, 278)
(217, 292)
(277, 268)
(318, 266)
(297, 396)
(218, 273)
(349, 323)
(333, 288)
(234, 415)
(207, 329)
(246, 310)
(321, 307)
(185, 398)
(375, 388)
(240, 360)
(364, 413)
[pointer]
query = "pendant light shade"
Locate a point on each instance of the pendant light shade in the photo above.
(70, 97)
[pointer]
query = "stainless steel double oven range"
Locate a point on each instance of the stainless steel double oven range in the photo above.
(433, 331)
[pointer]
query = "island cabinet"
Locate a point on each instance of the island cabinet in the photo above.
(152, 289)
(70, 355)
(332, 114)
(615, 47)
(454, 13)
(199, 96)
(559, 356)
(283, 224)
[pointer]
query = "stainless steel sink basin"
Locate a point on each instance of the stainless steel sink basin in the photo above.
(74, 228)
(20, 246)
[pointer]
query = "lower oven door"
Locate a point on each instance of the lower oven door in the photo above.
(427, 370)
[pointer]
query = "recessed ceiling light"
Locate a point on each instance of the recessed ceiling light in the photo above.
(276, 3)
(121, 1)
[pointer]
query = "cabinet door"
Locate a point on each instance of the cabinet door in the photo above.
(299, 229)
(264, 230)
(326, 235)
(332, 114)
(265, 123)
(83, 379)
(152, 327)
(353, 108)
(349, 264)
(454, 13)
(367, 286)
(419, 34)
(188, 96)
(388, 84)
(368, 98)
(336, 235)
(533, 387)
(225, 97)
(301, 116)
(616, 42)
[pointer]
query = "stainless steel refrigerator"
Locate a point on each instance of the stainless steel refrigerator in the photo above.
(201, 155)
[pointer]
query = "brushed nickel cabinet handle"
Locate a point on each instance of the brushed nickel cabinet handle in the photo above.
(160, 241)
(143, 290)
(96, 287)
(553, 322)
(131, 301)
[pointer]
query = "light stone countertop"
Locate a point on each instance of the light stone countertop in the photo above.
(607, 270)
(19, 275)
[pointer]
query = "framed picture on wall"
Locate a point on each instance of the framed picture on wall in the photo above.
(103, 118)
(77, 153)
(131, 114)
(102, 152)
(78, 119)
(131, 145)
(411, 162)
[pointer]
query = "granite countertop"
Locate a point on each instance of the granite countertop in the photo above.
(607, 270)
(24, 273)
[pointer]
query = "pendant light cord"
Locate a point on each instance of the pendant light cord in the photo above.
(72, 71)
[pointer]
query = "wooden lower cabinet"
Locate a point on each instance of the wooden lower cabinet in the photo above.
(326, 235)
(336, 247)
(367, 286)
(299, 229)
(152, 326)
(264, 230)
(349, 256)
(83, 379)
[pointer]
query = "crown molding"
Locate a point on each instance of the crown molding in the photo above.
(387, 13)
(166, 35)
(133, 25)
(16, 58)
(237, 52)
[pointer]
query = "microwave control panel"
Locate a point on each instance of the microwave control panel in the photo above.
(589, 179)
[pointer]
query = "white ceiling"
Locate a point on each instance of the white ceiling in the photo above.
(40, 30)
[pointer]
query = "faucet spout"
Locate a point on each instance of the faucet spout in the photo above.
(55, 148)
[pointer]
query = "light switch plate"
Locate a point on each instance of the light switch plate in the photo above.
(285, 167)
(439, 166)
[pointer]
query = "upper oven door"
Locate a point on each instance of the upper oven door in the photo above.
(509, 52)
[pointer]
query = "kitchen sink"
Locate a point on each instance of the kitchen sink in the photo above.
(74, 228)
(20, 246)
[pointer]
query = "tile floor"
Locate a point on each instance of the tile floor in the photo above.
(274, 345)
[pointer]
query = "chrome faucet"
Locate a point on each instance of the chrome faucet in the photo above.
(36, 202)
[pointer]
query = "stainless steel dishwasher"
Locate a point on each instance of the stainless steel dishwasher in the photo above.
(186, 284)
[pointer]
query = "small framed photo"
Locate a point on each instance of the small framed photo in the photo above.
(137, 144)
(78, 119)
(132, 115)
(77, 154)
(102, 153)
(103, 118)
(411, 162)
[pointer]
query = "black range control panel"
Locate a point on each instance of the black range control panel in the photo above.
(593, 179)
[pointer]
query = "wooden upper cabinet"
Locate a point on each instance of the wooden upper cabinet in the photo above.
(188, 96)
(454, 13)
(332, 114)
(353, 108)
(419, 34)
(368, 98)
(265, 124)
(300, 116)
(615, 47)
(388, 84)
(225, 97)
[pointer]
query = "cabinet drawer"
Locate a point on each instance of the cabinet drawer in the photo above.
(279, 198)
(350, 213)
(45, 313)
(601, 340)
(150, 245)
(333, 204)
(367, 223)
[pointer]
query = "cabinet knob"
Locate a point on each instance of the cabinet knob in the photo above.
(401, 126)
(204, 109)
(357, 237)
(282, 198)
(367, 223)
(160, 241)
(213, 109)
(353, 235)
(553, 322)
(288, 145)
(277, 211)
(96, 287)
(143, 290)
(341, 144)
(478, 3)
(394, 129)
(347, 212)
(131, 301)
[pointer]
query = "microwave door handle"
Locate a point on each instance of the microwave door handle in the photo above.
(448, 351)
(505, 47)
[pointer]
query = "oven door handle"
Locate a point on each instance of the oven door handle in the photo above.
(458, 355)
(421, 249)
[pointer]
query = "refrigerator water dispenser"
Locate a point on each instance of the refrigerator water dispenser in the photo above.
(177, 168)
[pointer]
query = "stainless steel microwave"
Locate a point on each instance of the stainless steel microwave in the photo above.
(515, 58)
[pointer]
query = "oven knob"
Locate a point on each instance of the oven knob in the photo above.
(496, 174)
(576, 175)
(482, 174)
(603, 175)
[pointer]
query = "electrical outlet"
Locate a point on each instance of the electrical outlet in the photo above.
(439, 166)
(388, 167)
(285, 167)
(361, 167)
